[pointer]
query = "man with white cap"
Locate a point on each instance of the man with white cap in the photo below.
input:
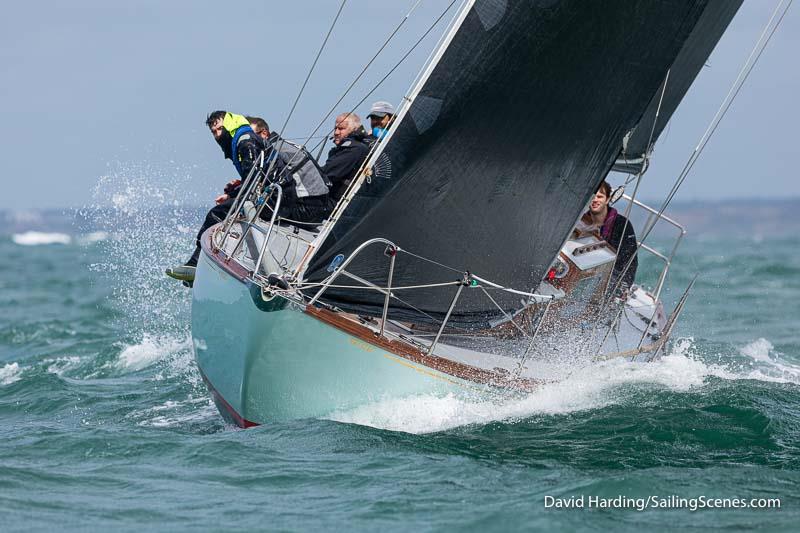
(380, 116)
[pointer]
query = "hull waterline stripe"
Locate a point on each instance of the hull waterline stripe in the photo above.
(240, 421)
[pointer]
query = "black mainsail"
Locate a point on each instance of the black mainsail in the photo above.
(519, 120)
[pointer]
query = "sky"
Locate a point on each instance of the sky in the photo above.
(97, 93)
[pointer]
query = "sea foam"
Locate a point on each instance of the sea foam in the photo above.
(10, 373)
(590, 387)
(149, 350)
(769, 365)
(93, 237)
(175, 414)
(60, 365)
(593, 386)
(38, 238)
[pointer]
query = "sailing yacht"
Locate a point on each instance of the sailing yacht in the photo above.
(450, 266)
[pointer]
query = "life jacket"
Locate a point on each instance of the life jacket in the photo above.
(239, 129)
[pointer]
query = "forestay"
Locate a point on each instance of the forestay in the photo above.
(501, 148)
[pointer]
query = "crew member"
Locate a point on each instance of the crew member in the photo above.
(616, 230)
(352, 145)
(259, 126)
(381, 114)
(305, 188)
(242, 146)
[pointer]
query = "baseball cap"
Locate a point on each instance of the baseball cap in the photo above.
(381, 109)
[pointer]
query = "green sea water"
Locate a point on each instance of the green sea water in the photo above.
(107, 424)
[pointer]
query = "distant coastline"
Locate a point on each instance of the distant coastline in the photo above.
(751, 217)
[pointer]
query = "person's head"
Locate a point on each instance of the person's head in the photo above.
(259, 126)
(223, 126)
(214, 122)
(346, 123)
(602, 196)
(380, 114)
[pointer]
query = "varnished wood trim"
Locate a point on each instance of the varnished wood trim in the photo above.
(231, 267)
(411, 353)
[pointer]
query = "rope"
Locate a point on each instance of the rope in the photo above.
(430, 261)
(394, 288)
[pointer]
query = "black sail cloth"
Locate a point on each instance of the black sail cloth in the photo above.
(518, 123)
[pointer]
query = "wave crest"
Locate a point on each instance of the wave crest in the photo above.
(10, 373)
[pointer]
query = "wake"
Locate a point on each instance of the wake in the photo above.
(593, 386)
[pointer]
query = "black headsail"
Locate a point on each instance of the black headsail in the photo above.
(707, 32)
(519, 120)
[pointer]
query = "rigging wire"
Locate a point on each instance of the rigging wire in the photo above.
(299, 94)
(747, 68)
(304, 286)
(641, 172)
(323, 138)
(344, 201)
(605, 296)
(364, 70)
(313, 65)
(395, 67)
(508, 317)
(744, 73)
(412, 254)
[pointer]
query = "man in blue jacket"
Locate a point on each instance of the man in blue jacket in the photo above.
(242, 146)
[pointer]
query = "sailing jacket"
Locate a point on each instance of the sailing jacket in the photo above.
(345, 159)
(245, 146)
(621, 237)
(297, 172)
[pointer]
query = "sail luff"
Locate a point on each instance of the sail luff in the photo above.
(376, 153)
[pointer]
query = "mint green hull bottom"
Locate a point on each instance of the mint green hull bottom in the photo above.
(265, 365)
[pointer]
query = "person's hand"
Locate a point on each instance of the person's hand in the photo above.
(221, 198)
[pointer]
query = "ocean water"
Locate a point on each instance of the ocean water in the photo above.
(107, 424)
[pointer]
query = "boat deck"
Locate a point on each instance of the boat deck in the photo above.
(498, 354)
